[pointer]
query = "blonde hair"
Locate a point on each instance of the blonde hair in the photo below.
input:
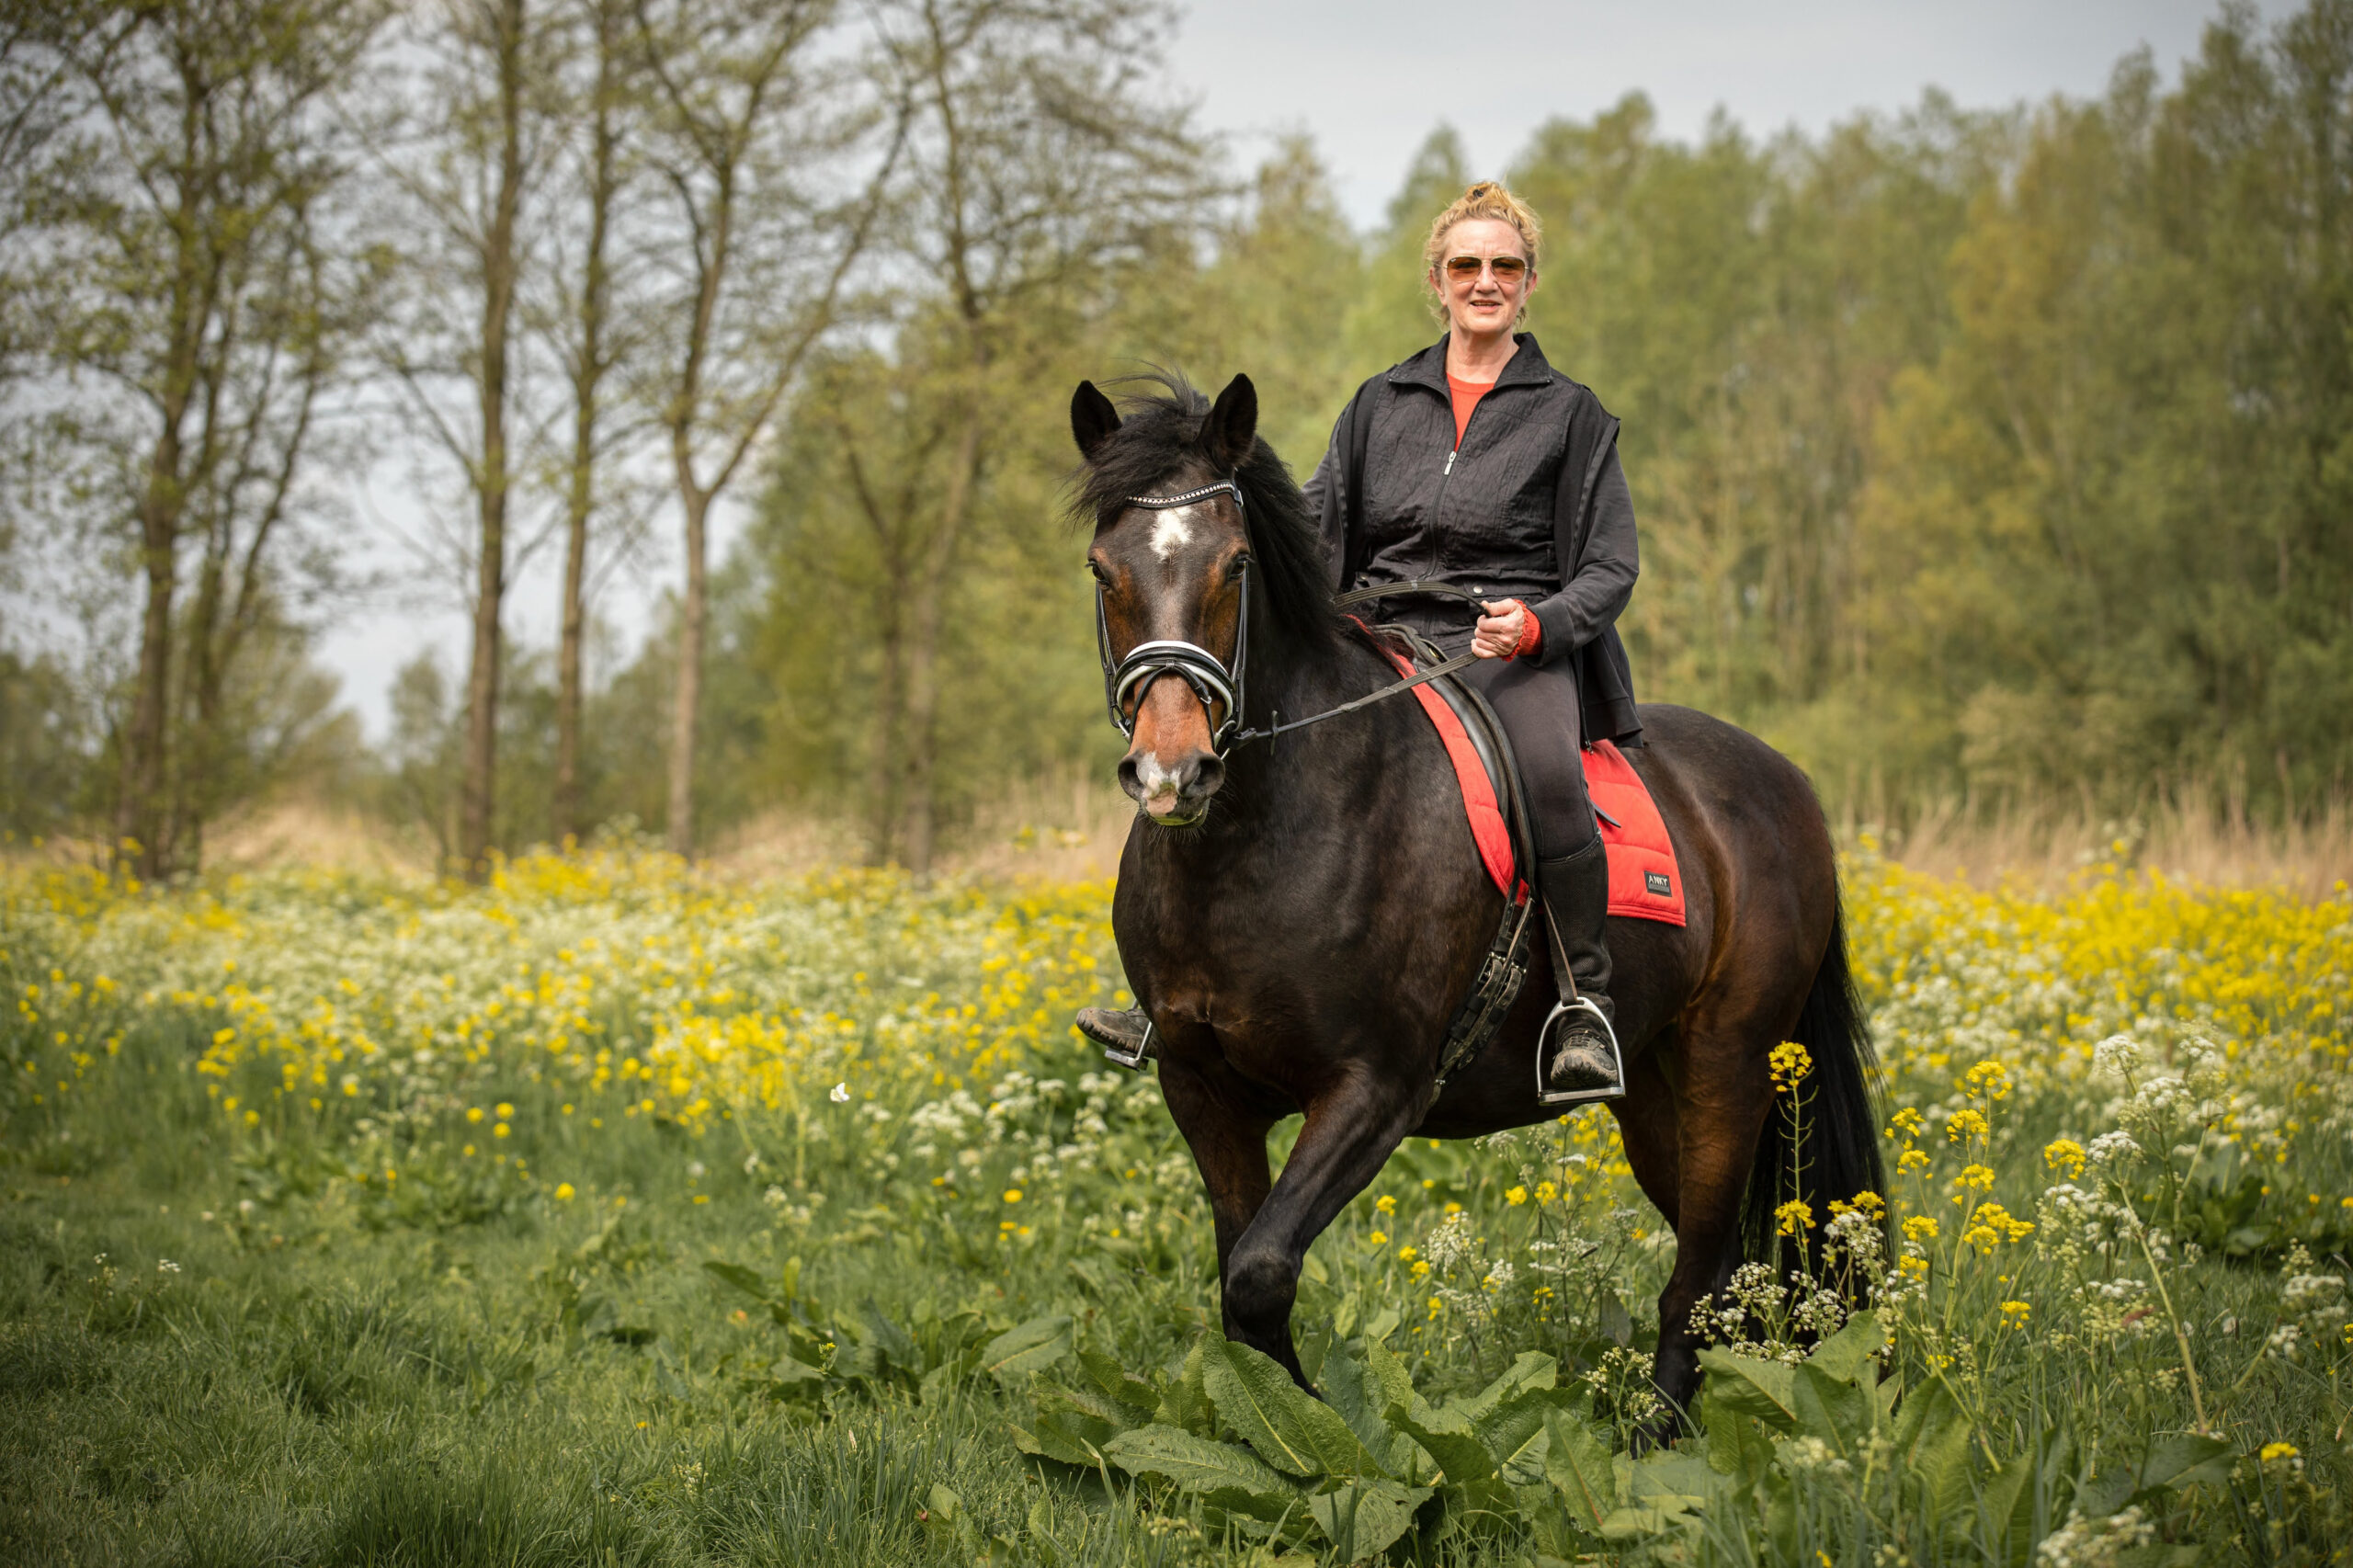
(1487, 198)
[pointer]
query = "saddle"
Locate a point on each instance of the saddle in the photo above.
(1644, 880)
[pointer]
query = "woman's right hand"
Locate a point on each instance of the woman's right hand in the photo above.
(1500, 629)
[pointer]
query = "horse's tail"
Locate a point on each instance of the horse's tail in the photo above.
(1840, 1156)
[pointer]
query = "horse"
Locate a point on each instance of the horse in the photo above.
(1301, 917)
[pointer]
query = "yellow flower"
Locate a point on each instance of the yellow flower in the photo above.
(2275, 1452)
(1793, 1217)
(1989, 1080)
(1385, 1204)
(504, 1110)
(1421, 1269)
(1407, 1253)
(1516, 1197)
(1454, 1208)
(1546, 1192)
(1918, 1267)
(563, 1191)
(1013, 1195)
(1907, 1124)
(1920, 1228)
(1912, 1160)
(1788, 1063)
(1979, 1178)
(1380, 1238)
(473, 1113)
(2064, 1155)
(2014, 1314)
(501, 1131)
(1966, 1124)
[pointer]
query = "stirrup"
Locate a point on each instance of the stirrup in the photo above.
(1134, 1061)
(1545, 1093)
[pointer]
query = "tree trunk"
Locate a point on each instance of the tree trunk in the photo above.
(477, 791)
(686, 698)
(587, 378)
(923, 648)
(138, 823)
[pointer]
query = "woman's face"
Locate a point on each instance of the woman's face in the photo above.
(1479, 303)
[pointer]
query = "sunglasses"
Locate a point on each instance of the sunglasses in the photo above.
(1508, 269)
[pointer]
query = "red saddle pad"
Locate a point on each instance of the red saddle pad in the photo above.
(1645, 881)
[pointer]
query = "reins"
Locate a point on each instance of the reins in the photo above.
(1213, 680)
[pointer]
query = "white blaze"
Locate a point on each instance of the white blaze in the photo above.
(1172, 532)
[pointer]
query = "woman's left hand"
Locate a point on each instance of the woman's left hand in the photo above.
(1499, 630)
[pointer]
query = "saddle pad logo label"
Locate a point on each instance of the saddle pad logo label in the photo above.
(1657, 882)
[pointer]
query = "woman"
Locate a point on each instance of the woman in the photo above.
(1482, 468)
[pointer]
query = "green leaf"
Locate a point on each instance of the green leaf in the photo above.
(886, 1336)
(1736, 1446)
(1352, 1392)
(1365, 1517)
(1288, 1427)
(1932, 1443)
(1220, 1471)
(1448, 1438)
(2176, 1458)
(1118, 1383)
(1513, 1433)
(1837, 1412)
(742, 1279)
(1069, 1438)
(1762, 1389)
(1028, 1347)
(1845, 1356)
(1530, 1369)
(1185, 1405)
(1577, 1462)
(1089, 1403)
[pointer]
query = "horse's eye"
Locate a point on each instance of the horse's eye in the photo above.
(1095, 570)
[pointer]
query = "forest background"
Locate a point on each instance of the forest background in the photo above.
(1981, 456)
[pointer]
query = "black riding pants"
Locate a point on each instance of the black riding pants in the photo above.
(1538, 706)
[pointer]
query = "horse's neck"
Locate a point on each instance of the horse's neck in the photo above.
(1282, 785)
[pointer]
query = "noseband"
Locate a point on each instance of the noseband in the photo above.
(1212, 680)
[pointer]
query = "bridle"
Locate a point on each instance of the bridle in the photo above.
(1211, 678)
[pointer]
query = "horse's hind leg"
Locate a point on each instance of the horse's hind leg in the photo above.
(1351, 1131)
(1725, 1094)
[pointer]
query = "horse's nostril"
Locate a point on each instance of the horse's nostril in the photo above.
(1208, 774)
(1127, 780)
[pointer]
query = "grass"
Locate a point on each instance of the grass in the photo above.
(622, 1214)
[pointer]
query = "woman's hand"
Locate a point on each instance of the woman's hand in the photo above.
(1500, 629)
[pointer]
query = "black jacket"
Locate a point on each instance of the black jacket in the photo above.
(1536, 485)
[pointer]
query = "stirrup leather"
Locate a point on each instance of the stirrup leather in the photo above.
(1545, 1093)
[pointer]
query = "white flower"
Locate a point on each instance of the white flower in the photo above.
(840, 1094)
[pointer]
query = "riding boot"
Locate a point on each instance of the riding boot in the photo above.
(1125, 1037)
(1580, 1031)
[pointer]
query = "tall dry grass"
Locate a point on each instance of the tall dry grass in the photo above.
(2192, 836)
(1072, 826)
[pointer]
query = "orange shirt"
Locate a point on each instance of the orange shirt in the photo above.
(1466, 398)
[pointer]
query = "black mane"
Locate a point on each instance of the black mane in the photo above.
(1160, 434)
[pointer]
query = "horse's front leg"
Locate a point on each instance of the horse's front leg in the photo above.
(1227, 1135)
(1351, 1130)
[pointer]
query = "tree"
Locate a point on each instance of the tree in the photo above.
(1038, 164)
(484, 144)
(749, 125)
(195, 311)
(594, 337)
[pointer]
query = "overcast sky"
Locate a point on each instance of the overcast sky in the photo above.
(1370, 79)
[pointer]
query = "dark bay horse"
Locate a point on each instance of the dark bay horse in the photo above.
(1302, 916)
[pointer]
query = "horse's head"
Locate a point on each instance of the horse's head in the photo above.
(1173, 595)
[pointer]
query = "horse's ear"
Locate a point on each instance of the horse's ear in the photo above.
(1232, 426)
(1092, 418)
